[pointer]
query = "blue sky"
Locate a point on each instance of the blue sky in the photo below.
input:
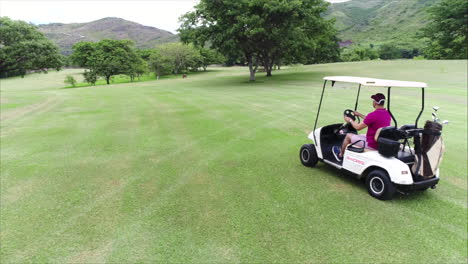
(162, 14)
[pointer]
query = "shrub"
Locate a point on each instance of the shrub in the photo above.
(420, 57)
(389, 52)
(90, 77)
(70, 80)
(359, 54)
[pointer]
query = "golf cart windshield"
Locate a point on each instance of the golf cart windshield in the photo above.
(371, 82)
(375, 82)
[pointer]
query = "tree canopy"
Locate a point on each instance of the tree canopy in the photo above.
(447, 33)
(108, 57)
(389, 52)
(265, 32)
(177, 57)
(23, 48)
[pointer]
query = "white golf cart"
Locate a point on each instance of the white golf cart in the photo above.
(395, 166)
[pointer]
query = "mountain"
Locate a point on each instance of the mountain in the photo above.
(65, 35)
(381, 21)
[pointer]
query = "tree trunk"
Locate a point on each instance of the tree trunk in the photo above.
(107, 79)
(267, 65)
(268, 70)
(252, 69)
(252, 75)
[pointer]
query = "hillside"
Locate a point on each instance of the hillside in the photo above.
(381, 21)
(65, 35)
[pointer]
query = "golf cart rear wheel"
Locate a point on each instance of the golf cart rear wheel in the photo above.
(379, 185)
(308, 155)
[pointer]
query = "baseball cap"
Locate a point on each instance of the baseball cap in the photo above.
(378, 98)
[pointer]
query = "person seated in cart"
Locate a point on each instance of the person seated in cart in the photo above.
(379, 118)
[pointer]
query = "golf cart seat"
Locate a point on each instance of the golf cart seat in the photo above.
(388, 140)
(389, 132)
(353, 148)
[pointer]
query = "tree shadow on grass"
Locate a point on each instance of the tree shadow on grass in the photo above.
(280, 78)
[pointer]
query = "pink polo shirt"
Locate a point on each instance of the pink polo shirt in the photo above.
(375, 120)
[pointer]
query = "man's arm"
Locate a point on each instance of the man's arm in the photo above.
(357, 126)
(359, 114)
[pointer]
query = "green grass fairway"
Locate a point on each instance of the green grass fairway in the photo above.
(206, 169)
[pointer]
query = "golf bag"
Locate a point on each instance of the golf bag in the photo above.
(429, 150)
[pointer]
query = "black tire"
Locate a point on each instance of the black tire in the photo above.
(308, 155)
(379, 185)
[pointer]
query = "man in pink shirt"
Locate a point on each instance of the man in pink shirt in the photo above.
(373, 121)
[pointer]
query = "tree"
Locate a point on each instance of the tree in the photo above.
(160, 64)
(209, 56)
(263, 31)
(324, 48)
(144, 53)
(137, 67)
(359, 54)
(182, 56)
(70, 80)
(107, 57)
(90, 77)
(389, 52)
(447, 33)
(23, 48)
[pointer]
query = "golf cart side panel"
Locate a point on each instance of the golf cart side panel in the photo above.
(357, 163)
(318, 146)
(325, 138)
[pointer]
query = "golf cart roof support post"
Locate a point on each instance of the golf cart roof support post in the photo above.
(318, 111)
(357, 98)
(388, 106)
(422, 109)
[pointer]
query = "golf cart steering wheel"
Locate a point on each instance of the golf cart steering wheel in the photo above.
(348, 113)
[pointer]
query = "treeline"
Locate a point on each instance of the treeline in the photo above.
(23, 49)
(107, 58)
(384, 52)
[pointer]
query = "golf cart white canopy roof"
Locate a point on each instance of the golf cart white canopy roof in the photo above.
(375, 82)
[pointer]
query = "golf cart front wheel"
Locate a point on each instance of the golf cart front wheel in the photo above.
(379, 185)
(308, 155)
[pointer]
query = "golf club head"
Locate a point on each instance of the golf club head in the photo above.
(445, 122)
(435, 108)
